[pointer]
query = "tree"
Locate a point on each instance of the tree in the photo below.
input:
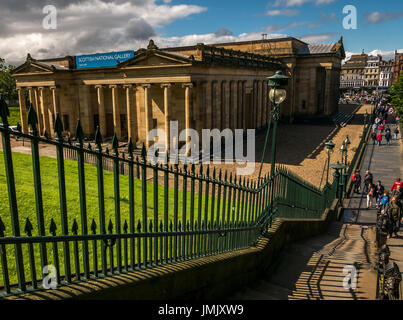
(396, 93)
(7, 81)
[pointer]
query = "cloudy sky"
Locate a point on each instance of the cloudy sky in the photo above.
(90, 26)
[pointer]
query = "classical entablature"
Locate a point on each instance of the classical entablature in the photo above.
(201, 86)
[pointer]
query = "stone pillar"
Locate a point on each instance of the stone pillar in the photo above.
(23, 110)
(44, 111)
(167, 96)
(101, 110)
(227, 93)
(147, 111)
(219, 112)
(234, 111)
(55, 101)
(87, 120)
(209, 109)
(328, 92)
(131, 112)
(188, 93)
(245, 116)
(116, 110)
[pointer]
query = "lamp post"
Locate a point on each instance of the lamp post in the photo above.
(276, 95)
(330, 148)
(343, 151)
(337, 166)
(365, 117)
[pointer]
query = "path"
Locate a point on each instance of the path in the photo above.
(315, 268)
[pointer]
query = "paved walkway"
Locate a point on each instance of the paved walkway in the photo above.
(316, 268)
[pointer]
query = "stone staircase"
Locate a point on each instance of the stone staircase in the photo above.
(315, 268)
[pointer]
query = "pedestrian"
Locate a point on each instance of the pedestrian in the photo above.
(379, 139)
(397, 182)
(382, 127)
(379, 190)
(373, 136)
(384, 200)
(356, 178)
(398, 193)
(393, 210)
(388, 136)
(370, 194)
(396, 132)
(368, 179)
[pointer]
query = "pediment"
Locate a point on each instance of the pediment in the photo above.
(155, 58)
(31, 67)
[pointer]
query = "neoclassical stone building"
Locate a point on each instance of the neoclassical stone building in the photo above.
(202, 86)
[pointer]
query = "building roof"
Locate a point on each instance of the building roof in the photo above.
(317, 48)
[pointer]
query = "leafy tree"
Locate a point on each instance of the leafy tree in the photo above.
(7, 81)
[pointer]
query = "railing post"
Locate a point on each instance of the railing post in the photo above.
(32, 121)
(8, 163)
(62, 195)
(116, 172)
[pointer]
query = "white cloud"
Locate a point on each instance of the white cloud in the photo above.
(379, 17)
(283, 12)
(386, 55)
(317, 38)
(292, 3)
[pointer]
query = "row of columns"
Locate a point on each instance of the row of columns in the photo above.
(131, 109)
(226, 105)
(45, 103)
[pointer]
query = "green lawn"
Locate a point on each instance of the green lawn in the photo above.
(14, 117)
(50, 189)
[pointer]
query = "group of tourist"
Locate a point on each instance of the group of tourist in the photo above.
(380, 129)
(388, 203)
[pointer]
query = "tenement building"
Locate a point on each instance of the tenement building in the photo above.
(386, 74)
(398, 68)
(353, 73)
(372, 71)
(201, 86)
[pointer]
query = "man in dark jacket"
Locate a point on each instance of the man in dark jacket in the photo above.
(379, 189)
(393, 211)
(357, 181)
(368, 179)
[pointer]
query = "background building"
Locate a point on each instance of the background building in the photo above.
(202, 86)
(352, 73)
(372, 72)
(398, 68)
(386, 74)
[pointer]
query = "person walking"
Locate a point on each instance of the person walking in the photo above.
(379, 190)
(388, 136)
(396, 183)
(356, 178)
(384, 200)
(379, 138)
(368, 179)
(373, 136)
(393, 210)
(395, 133)
(370, 195)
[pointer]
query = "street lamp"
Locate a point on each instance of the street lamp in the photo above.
(330, 149)
(365, 117)
(337, 166)
(344, 151)
(276, 95)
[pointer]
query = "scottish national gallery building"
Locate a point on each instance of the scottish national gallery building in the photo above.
(202, 87)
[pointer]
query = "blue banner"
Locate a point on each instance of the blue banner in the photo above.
(99, 60)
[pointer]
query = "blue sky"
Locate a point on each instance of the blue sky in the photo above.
(93, 26)
(382, 32)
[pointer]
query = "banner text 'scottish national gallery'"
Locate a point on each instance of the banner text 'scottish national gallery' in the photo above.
(202, 86)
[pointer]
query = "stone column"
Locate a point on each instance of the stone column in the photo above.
(244, 115)
(55, 101)
(44, 111)
(328, 91)
(116, 110)
(234, 111)
(87, 121)
(131, 112)
(227, 93)
(209, 109)
(188, 93)
(218, 113)
(101, 110)
(147, 111)
(167, 96)
(23, 110)
(33, 98)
